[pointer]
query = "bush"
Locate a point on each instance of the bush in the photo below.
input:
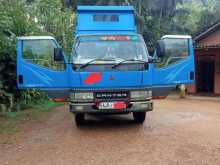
(23, 18)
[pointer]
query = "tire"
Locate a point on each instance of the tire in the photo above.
(79, 119)
(139, 117)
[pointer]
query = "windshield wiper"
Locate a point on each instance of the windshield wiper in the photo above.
(129, 60)
(94, 60)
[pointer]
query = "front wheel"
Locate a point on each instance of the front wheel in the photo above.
(79, 119)
(139, 117)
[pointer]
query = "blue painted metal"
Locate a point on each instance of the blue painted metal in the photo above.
(87, 25)
(178, 73)
(120, 79)
(35, 76)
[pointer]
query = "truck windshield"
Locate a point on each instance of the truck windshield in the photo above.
(118, 48)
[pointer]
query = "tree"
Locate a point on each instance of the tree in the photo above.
(55, 20)
(23, 18)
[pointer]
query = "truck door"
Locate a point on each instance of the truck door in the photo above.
(36, 68)
(176, 66)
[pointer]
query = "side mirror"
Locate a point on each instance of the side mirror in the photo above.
(160, 49)
(58, 54)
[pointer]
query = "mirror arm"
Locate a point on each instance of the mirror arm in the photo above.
(153, 60)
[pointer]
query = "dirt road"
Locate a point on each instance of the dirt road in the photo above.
(177, 132)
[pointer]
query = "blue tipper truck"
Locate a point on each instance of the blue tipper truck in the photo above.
(110, 70)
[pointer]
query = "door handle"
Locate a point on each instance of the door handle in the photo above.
(192, 75)
(20, 79)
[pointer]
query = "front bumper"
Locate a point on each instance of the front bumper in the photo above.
(143, 106)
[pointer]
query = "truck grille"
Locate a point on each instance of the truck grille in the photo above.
(112, 95)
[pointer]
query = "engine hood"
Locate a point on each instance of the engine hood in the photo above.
(120, 79)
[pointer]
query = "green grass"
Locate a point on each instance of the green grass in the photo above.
(10, 121)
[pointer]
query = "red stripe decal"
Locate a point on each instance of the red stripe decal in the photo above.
(93, 78)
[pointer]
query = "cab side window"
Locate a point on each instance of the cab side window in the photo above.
(40, 52)
(176, 50)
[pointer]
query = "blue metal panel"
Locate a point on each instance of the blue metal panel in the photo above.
(105, 8)
(104, 33)
(35, 76)
(175, 74)
(115, 79)
(38, 77)
(87, 25)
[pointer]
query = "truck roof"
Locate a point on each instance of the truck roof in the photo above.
(36, 38)
(105, 19)
(177, 36)
(105, 8)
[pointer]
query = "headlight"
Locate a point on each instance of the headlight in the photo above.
(141, 95)
(82, 96)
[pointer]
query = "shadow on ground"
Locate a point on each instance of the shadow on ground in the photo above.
(108, 121)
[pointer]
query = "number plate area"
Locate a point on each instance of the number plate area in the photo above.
(112, 100)
(118, 105)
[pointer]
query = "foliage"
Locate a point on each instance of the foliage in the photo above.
(22, 18)
(13, 22)
(55, 20)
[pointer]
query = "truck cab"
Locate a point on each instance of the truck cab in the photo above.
(110, 70)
